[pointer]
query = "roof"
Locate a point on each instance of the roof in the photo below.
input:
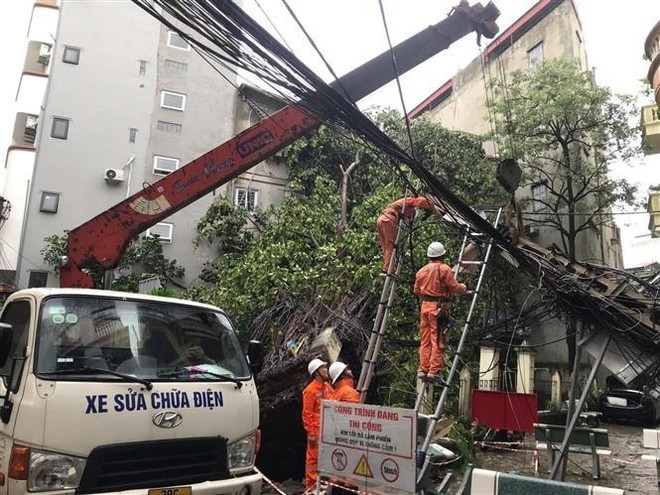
(524, 23)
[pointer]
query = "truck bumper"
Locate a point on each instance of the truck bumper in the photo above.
(250, 484)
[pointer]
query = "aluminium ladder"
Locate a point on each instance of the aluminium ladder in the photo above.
(433, 419)
(379, 327)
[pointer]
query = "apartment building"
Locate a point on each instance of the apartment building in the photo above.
(550, 29)
(651, 125)
(120, 101)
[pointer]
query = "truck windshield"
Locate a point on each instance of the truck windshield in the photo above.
(149, 340)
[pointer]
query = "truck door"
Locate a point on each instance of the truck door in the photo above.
(17, 313)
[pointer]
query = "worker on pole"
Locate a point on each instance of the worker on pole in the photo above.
(342, 379)
(434, 284)
(387, 224)
(317, 390)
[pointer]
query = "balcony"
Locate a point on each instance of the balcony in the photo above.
(25, 130)
(652, 50)
(651, 129)
(37, 58)
(654, 212)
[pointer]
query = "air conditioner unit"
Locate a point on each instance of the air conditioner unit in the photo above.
(113, 175)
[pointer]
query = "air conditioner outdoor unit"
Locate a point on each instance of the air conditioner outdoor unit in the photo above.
(113, 175)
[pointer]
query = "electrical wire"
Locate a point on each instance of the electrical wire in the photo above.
(228, 35)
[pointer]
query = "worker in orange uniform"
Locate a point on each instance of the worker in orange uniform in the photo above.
(317, 390)
(341, 378)
(434, 284)
(343, 381)
(388, 223)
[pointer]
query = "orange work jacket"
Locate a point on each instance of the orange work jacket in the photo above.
(436, 280)
(406, 206)
(313, 394)
(344, 391)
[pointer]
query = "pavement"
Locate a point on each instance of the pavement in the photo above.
(624, 468)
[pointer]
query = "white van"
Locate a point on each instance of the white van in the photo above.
(109, 392)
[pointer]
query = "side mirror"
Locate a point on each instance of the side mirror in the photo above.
(6, 336)
(255, 355)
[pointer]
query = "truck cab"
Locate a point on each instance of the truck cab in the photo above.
(109, 392)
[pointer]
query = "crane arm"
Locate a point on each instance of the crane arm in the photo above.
(103, 239)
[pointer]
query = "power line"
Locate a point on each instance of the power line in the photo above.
(603, 214)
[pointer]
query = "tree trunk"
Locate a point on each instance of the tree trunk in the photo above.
(346, 175)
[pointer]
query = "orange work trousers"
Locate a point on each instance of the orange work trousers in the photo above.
(311, 464)
(387, 228)
(433, 339)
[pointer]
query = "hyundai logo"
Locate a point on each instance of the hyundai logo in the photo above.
(167, 419)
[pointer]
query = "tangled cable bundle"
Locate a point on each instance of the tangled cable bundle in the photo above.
(222, 32)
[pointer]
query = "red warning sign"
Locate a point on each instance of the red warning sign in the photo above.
(362, 468)
(371, 447)
(389, 470)
(339, 459)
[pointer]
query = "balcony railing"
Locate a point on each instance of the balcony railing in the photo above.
(654, 213)
(651, 128)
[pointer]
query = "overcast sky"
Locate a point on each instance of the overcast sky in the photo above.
(350, 32)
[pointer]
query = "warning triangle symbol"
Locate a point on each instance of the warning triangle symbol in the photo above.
(362, 468)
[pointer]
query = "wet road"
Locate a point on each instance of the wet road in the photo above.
(624, 468)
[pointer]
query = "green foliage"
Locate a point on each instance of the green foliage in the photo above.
(164, 292)
(54, 249)
(299, 251)
(566, 132)
(464, 434)
(224, 226)
(143, 259)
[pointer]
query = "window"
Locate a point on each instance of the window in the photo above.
(655, 113)
(71, 55)
(175, 40)
(142, 67)
(174, 65)
(169, 127)
(246, 198)
(38, 279)
(539, 196)
(161, 230)
(535, 56)
(50, 201)
(17, 314)
(132, 134)
(163, 165)
(175, 101)
(60, 129)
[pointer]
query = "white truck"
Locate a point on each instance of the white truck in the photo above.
(117, 393)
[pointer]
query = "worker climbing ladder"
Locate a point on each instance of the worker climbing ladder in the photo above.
(464, 261)
(379, 328)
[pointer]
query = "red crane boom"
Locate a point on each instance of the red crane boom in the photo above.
(103, 239)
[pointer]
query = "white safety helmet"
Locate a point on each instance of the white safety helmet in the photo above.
(314, 365)
(435, 250)
(336, 369)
